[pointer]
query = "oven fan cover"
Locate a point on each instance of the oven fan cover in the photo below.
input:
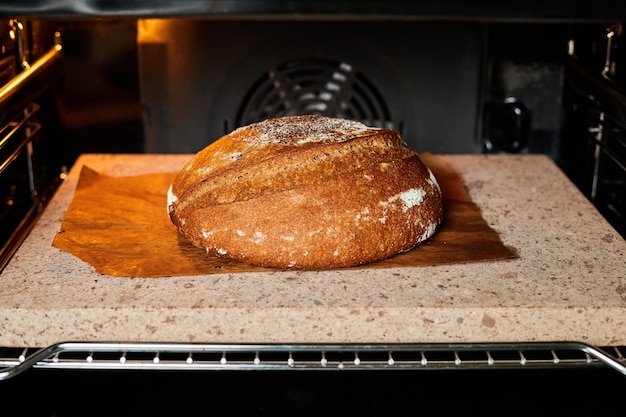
(315, 86)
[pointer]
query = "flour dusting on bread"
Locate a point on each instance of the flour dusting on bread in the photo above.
(298, 130)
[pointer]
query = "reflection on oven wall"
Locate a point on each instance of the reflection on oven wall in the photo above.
(524, 80)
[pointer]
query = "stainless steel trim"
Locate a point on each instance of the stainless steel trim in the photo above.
(22, 129)
(28, 84)
(322, 357)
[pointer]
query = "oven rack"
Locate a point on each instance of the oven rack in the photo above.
(185, 356)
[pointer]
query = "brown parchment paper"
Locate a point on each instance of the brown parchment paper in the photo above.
(121, 227)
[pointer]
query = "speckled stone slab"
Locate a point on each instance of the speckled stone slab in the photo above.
(568, 284)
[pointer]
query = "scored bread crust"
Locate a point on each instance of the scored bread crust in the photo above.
(306, 192)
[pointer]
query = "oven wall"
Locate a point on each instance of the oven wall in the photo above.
(422, 79)
(99, 101)
(176, 85)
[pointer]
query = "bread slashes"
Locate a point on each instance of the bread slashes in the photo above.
(306, 192)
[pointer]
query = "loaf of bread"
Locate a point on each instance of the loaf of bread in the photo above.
(306, 192)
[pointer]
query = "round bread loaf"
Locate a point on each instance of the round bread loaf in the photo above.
(306, 192)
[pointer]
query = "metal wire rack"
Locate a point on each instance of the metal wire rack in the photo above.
(183, 356)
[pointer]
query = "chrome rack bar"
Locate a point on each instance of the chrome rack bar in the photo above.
(191, 356)
(28, 84)
(17, 134)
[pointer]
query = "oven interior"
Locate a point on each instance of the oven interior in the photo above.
(175, 84)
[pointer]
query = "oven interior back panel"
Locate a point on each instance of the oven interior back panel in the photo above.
(200, 79)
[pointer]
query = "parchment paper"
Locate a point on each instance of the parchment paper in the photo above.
(121, 227)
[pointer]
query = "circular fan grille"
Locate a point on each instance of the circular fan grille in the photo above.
(314, 86)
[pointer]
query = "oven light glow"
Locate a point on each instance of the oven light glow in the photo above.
(64, 173)
(152, 30)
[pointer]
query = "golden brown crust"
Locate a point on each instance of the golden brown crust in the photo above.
(306, 192)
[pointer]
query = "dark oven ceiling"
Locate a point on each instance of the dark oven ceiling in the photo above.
(443, 9)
